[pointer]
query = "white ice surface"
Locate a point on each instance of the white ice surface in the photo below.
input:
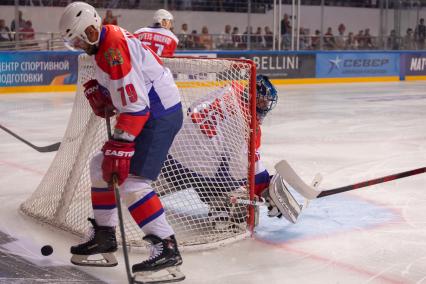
(348, 132)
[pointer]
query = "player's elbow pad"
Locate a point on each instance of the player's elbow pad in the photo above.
(132, 124)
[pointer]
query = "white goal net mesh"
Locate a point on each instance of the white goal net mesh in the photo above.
(208, 160)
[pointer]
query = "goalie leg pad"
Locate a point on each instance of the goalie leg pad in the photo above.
(282, 199)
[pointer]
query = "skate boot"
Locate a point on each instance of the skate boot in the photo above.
(102, 242)
(232, 218)
(226, 215)
(162, 266)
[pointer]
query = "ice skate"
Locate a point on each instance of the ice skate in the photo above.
(225, 218)
(99, 250)
(162, 266)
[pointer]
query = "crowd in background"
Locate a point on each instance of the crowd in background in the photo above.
(22, 31)
(262, 38)
(257, 6)
(258, 38)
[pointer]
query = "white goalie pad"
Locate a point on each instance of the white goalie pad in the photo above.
(290, 176)
(279, 196)
(282, 198)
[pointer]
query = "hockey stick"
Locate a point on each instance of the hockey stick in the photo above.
(309, 192)
(119, 211)
(43, 149)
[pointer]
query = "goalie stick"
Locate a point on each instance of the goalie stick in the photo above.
(309, 192)
(43, 149)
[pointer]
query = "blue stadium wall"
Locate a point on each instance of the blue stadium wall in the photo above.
(41, 71)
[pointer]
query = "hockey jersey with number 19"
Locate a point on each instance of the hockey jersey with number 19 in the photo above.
(135, 77)
(160, 40)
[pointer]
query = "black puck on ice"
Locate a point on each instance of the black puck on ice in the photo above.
(46, 250)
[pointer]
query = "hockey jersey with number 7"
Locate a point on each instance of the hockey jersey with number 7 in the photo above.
(160, 40)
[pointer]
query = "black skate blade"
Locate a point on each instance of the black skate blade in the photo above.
(107, 260)
(174, 275)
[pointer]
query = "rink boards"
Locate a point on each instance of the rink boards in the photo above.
(53, 71)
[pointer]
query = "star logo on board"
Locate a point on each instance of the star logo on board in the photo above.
(334, 64)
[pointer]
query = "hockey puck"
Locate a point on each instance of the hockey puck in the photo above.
(46, 250)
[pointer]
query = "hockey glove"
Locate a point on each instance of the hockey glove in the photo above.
(99, 99)
(117, 155)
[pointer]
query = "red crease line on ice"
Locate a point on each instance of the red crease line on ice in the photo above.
(349, 267)
(346, 266)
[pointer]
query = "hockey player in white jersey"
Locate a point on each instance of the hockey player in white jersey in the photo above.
(159, 37)
(130, 82)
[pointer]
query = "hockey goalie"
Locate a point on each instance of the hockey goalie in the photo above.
(215, 167)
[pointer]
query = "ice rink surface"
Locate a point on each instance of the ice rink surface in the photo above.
(347, 132)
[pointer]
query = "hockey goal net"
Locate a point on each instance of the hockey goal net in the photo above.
(210, 157)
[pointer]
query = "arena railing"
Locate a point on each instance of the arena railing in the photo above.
(53, 41)
(257, 6)
(33, 41)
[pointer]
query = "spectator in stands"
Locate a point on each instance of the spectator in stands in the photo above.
(420, 34)
(4, 31)
(194, 40)
(236, 38)
(329, 41)
(368, 40)
(183, 36)
(109, 18)
(350, 42)
(269, 37)
(393, 41)
(316, 40)
(27, 35)
(259, 40)
(340, 38)
(303, 39)
(359, 38)
(184, 29)
(21, 25)
(408, 41)
(225, 40)
(286, 31)
(205, 38)
(248, 33)
(27, 32)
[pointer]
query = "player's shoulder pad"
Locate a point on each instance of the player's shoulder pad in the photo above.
(113, 56)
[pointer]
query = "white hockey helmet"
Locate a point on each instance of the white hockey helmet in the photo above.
(76, 17)
(161, 15)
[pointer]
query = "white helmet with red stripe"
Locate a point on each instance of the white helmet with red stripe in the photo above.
(76, 18)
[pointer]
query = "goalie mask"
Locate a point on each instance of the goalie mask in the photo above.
(266, 96)
(77, 17)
